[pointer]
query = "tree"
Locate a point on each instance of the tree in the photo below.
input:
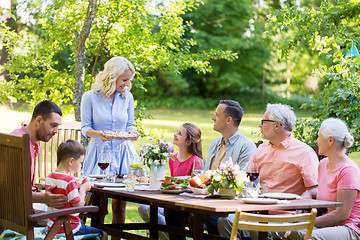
(80, 40)
(226, 25)
(150, 36)
(326, 28)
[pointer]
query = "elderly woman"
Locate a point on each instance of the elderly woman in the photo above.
(339, 180)
(109, 106)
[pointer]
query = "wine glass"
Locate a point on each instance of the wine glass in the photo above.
(103, 164)
(106, 156)
(252, 171)
(197, 168)
(252, 188)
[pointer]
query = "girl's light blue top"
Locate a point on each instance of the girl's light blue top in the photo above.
(98, 113)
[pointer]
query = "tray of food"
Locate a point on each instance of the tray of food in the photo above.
(121, 135)
(174, 185)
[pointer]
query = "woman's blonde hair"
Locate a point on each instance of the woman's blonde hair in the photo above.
(105, 81)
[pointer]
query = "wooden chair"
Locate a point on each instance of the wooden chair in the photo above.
(259, 223)
(46, 160)
(258, 143)
(16, 212)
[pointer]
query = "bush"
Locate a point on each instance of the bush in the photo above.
(248, 100)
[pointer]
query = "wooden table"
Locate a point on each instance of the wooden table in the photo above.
(199, 207)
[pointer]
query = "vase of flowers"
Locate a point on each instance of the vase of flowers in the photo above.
(228, 179)
(155, 156)
(157, 172)
(228, 193)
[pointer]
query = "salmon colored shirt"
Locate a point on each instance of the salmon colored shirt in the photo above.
(345, 176)
(290, 167)
(34, 152)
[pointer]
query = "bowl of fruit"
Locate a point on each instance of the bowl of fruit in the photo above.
(198, 185)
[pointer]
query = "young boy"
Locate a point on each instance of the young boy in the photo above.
(70, 155)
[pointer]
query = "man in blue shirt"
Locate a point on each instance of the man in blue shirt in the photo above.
(232, 144)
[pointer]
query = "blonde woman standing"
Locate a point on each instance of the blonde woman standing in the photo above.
(109, 106)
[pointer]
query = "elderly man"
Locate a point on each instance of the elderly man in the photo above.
(285, 164)
(43, 125)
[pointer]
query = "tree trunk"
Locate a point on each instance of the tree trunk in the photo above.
(80, 56)
(4, 53)
(288, 79)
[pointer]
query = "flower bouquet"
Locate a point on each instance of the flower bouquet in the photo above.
(228, 176)
(155, 157)
(157, 153)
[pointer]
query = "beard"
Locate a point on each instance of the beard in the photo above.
(43, 135)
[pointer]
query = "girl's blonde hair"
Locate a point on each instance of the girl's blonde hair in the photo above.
(105, 81)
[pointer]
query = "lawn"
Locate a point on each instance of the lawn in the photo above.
(168, 121)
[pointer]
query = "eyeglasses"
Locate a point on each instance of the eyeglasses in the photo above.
(266, 120)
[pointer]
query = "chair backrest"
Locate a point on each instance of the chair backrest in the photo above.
(15, 184)
(258, 143)
(46, 160)
(278, 223)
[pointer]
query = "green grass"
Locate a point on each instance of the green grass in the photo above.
(168, 121)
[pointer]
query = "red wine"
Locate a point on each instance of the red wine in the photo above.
(103, 166)
(253, 175)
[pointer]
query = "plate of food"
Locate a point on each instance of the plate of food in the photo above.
(172, 191)
(143, 184)
(97, 176)
(199, 191)
(174, 185)
(121, 135)
(259, 200)
(106, 184)
(282, 196)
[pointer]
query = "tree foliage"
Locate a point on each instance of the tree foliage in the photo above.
(256, 75)
(227, 24)
(150, 36)
(326, 28)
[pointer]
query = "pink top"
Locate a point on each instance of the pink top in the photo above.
(345, 176)
(182, 168)
(67, 186)
(34, 152)
(290, 167)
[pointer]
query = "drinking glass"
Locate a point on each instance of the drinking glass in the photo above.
(198, 168)
(252, 190)
(106, 157)
(252, 171)
(103, 164)
(111, 173)
(130, 184)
